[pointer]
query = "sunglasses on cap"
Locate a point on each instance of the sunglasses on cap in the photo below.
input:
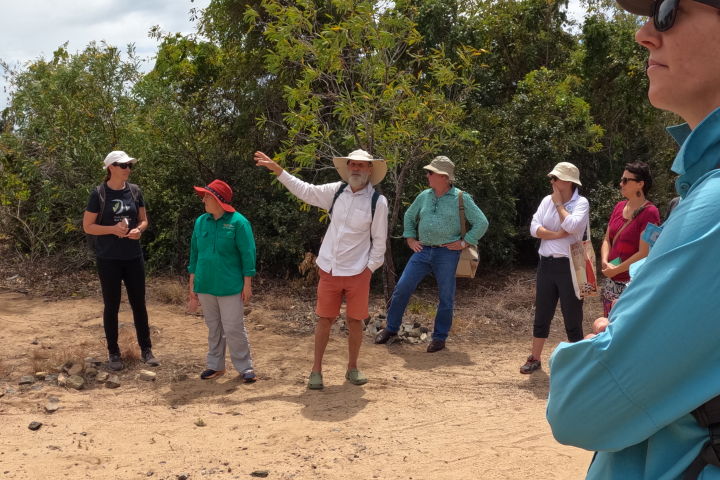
(624, 180)
(665, 12)
(123, 165)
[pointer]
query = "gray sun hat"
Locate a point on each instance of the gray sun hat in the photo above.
(442, 165)
(379, 167)
(638, 7)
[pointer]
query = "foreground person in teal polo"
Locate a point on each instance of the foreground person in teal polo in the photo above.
(222, 264)
(628, 392)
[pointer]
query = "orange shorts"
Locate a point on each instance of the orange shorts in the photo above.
(355, 289)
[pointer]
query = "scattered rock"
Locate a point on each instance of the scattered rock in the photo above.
(52, 406)
(259, 327)
(94, 361)
(200, 422)
(91, 371)
(67, 366)
(147, 375)
(260, 473)
(34, 342)
(423, 336)
(52, 378)
(62, 379)
(75, 369)
(41, 375)
(26, 380)
(180, 377)
(102, 377)
(2, 394)
(381, 315)
(35, 426)
(113, 381)
(75, 381)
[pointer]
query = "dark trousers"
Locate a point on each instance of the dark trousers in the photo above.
(112, 274)
(554, 281)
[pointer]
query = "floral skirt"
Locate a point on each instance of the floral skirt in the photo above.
(611, 291)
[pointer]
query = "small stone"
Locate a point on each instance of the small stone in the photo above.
(147, 375)
(423, 336)
(260, 473)
(381, 315)
(95, 362)
(75, 381)
(417, 325)
(41, 375)
(67, 365)
(183, 476)
(113, 381)
(75, 369)
(52, 378)
(180, 377)
(35, 426)
(91, 371)
(52, 406)
(26, 380)
(34, 342)
(200, 422)
(259, 327)
(2, 394)
(102, 377)
(424, 329)
(62, 379)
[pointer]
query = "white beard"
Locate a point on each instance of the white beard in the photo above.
(358, 180)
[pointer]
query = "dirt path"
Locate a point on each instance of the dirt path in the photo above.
(463, 413)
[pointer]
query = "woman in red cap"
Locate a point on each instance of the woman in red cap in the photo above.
(222, 264)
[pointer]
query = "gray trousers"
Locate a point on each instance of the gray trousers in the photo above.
(224, 319)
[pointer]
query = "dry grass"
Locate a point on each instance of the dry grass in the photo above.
(172, 291)
(127, 340)
(52, 360)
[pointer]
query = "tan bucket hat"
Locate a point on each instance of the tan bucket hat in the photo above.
(379, 166)
(443, 166)
(566, 171)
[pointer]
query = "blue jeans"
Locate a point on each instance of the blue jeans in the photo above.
(442, 263)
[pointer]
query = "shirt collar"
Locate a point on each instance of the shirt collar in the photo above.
(699, 150)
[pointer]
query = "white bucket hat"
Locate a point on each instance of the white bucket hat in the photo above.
(118, 156)
(379, 167)
(566, 171)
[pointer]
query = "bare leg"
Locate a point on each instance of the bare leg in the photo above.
(322, 336)
(537, 347)
(354, 341)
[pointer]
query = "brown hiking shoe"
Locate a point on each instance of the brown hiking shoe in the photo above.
(531, 365)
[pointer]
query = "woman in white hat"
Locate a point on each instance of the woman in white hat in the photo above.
(628, 392)
(116, 217)
(560, 220)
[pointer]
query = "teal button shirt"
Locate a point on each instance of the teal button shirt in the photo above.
(438, 219)
(628, 392)
(222, 253)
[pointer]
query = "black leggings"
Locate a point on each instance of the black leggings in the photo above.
(112, 273)
(554, 281)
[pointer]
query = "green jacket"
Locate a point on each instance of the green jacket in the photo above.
(222, 253)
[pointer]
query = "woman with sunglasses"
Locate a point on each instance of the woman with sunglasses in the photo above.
(560, 220)
(658, 359)
(116, 216)
(621, 246)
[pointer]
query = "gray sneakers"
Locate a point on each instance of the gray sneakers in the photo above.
(115, 362)
(149, 358)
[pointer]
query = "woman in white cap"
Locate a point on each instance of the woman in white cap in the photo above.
(116, 217)
(433, 232)
(560, 220)
(631, 393)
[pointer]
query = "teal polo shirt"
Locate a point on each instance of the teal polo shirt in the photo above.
(222, 253)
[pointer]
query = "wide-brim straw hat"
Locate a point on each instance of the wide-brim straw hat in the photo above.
(566, 171)
(379, 166)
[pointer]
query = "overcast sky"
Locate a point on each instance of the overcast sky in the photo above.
(30, 29)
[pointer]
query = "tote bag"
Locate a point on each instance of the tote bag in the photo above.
(469, 258)
(583, 267)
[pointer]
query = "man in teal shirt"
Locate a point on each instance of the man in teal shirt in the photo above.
(432, 230)
(628, 392)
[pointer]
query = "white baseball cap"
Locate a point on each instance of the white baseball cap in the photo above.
(117, 156)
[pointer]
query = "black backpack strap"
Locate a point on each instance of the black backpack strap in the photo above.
(100, 189)
(708, 416)
(343, 186)
(373, 204)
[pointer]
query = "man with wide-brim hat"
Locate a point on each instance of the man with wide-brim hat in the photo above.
(432, 229)
(352, 249)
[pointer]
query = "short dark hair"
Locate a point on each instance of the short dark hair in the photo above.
(641, 170)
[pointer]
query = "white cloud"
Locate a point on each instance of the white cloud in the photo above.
(30, 29)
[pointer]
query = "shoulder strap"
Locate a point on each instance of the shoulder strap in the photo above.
(629, 220)
(461, 208)
(343, 185)
(373, 204)
(134, 191)
(100, 189)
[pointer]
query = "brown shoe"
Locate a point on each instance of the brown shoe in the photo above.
(436, 346)
(531, 365)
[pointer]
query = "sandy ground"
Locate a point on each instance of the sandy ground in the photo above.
(462, 413)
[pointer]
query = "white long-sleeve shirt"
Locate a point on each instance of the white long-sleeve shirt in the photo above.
(575, 224)
(354, 239)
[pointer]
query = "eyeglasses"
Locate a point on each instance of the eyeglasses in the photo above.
(624, 180)
(665, 12)
(123, 165)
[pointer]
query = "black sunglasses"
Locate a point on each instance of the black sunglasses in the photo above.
(123, 165)
(665, 11)
(624, 180)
